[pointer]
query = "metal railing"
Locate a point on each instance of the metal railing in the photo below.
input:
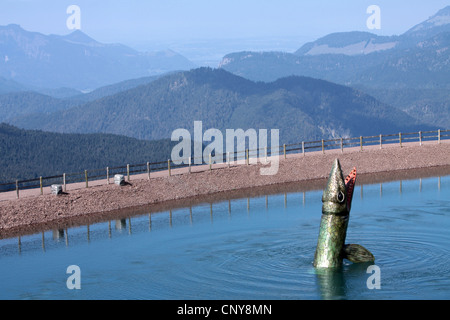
(246, 155)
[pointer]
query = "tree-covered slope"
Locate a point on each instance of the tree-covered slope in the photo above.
(27, 154)
(301, 108)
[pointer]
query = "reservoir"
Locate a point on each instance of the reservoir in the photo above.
(258, 247)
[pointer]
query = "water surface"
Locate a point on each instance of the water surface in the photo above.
(248, 248)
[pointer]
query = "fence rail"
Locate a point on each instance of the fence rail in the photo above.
(247, 155)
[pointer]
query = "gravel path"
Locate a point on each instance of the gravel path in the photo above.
(102, 200)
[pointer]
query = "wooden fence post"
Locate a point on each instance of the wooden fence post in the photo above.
(128, 172)
(107, 175)
(381, 141)
(303, 148)
(342, 145)
(361, 142)
(284, 150)
(41, 186)
(229, 160)
(168, 166)
(17, 189)
(210, 162)
(190, 164)
(247, 155)
(420, 137)
(148, 170)
(86, 177)
(439, 136)
(323, 146)
(64, 182)
(400, 139)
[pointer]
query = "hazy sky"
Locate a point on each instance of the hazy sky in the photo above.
(135, 21)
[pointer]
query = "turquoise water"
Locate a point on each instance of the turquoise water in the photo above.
(257, 248)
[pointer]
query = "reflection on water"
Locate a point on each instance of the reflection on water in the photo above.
(334, 283)
(253, 245)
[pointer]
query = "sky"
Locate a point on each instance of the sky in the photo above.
(141, 23)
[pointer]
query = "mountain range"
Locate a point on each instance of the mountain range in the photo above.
(388, 67)
(76, 61)
(302, 108)
(20, 101)
(342, 85)
(418, 58)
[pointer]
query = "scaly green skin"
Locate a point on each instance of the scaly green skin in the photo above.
(334, 223)
(329, 252)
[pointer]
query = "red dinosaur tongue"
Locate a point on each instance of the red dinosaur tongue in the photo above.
(350, 182)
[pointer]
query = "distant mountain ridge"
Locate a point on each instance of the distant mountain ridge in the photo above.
(301, 108)
(348, 43)
(19, 101)
(438, 23)
(342, 57)
(7, 86)
(76, 60)
(26, 103)
(363, 43)
(383, 66)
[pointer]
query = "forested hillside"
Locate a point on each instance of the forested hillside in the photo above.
(301, 108)
(27, 154)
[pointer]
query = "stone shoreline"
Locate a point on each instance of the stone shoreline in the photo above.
(99, 202)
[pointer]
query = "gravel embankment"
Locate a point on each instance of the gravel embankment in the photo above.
(105, 200)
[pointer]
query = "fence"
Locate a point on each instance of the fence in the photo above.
(247, 155)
